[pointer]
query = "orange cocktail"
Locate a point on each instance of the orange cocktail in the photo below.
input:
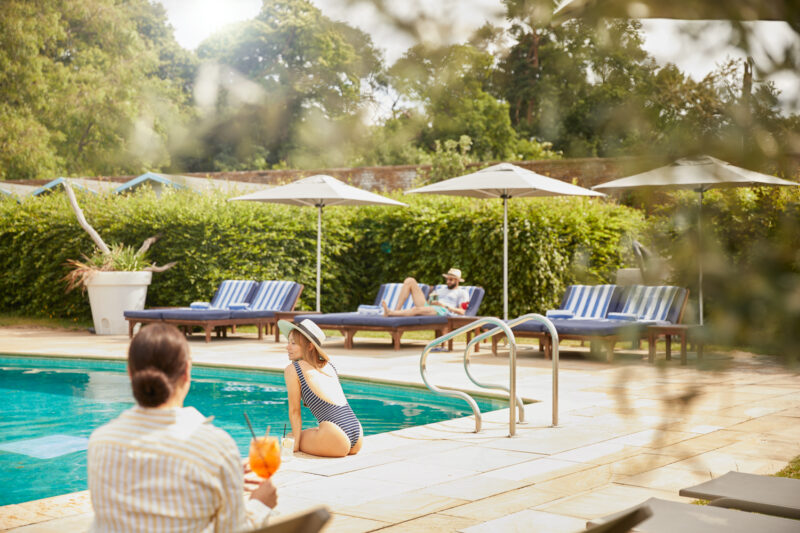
(265, 456)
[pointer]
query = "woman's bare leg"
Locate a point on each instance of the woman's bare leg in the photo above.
(355, 449)
(328, 440)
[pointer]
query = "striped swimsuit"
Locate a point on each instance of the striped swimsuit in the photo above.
(341, 415)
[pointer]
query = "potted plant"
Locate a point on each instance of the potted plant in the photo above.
(116, 278)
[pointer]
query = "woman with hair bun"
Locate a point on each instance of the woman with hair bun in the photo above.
(161, 466)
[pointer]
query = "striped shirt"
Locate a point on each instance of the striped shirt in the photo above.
(168, 470)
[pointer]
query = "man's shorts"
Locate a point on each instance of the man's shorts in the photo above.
(440, 311)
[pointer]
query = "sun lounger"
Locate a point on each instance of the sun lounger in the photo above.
(230, 291)
(672, 517)
(270, 298)
(777, 496)
(236, 302)
(629, 312)
(350, 323)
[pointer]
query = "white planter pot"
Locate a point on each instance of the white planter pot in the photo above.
(112, 293)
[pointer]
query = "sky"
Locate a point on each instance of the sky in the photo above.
(194, 20)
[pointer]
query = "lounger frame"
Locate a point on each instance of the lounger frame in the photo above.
(607, 341)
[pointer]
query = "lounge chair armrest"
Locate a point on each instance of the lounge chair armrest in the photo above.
(756, 507)
(559, 313)
(200, 305)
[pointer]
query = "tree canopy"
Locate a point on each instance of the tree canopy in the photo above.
(101, 87)
(89, 87)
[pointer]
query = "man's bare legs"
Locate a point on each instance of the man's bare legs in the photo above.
(410, 286)
(414, 311)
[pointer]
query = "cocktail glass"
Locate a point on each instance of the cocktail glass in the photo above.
(265, 456)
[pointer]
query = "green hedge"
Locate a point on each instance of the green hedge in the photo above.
(552, 242)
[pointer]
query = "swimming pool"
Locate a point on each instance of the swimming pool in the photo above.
(49, 407)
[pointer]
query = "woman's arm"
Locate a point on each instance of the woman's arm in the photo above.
(293, 392)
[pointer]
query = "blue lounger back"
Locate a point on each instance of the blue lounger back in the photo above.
(652, 303)
(390, 292)
(475, 295)
(275, 296)
(585, 301)
(233, 291)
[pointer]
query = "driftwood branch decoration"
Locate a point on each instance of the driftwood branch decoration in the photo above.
(82, 219)
(82, 271)
(161, 268)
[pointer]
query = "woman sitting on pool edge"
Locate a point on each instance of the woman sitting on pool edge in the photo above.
(312, 378)
(160, 466)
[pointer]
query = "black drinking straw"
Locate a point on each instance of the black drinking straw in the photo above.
(253, 433)
(284, 431)
(247, 419)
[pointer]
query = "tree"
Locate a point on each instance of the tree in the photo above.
(590, 88)
(452, 87)
(312, 77)
(88, 87)
(571, 84)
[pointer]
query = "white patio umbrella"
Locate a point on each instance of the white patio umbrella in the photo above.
(318, 191)
(699, 174)
(504, 181)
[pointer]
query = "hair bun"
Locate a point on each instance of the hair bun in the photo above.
(151, 387)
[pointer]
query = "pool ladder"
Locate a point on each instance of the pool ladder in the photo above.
(511, 389)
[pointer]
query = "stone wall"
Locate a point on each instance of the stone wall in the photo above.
(585, 172)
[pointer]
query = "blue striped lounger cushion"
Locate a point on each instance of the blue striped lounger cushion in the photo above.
(390, 293)
(650, 304)
(270, 297)
(585, 301)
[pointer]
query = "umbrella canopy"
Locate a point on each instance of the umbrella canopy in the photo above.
(699, 174)
(504, 181)
(159, 181)
(92, 186)
(16, 191)
(318, 191)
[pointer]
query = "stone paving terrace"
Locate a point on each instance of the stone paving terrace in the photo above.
(626, 432)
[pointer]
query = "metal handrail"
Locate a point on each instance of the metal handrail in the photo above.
(520, 405)
(513, 351)
(512, 389)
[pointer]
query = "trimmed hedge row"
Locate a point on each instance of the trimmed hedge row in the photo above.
(552, 242)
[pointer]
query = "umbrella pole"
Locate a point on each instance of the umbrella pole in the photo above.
(319, 253)
(700, 258)
(505, 257)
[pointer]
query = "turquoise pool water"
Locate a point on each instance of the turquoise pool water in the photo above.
(49, 407)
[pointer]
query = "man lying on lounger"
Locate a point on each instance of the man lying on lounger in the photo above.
(445, 301)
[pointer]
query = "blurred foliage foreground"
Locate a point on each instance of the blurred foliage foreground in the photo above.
(749, 247)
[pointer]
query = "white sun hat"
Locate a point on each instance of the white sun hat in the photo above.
(307, 329)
